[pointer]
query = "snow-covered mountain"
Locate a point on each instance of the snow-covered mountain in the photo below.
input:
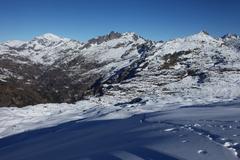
(112, 76)
(52, 69)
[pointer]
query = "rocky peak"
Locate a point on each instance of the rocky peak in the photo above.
(112, 35)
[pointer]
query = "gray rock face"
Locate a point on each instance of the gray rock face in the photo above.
(112, 35)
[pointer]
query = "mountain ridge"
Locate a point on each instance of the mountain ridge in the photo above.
(53, 69)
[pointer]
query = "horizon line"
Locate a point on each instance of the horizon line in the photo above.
(77, 39)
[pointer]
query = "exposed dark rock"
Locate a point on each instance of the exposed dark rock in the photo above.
(219, 59)
(202, 77)
(97, 87)
(197, 73)
(133, 101)
(142, 48)
(125, 73)
(172, 59)
(205, 32)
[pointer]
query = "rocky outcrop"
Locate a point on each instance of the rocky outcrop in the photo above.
(112, 35)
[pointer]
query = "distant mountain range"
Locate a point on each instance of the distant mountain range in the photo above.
(119, 68)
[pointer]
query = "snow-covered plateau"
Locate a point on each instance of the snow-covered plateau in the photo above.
(118, 79)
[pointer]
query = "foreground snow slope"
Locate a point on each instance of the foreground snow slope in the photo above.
(204, 132)
(16, 120)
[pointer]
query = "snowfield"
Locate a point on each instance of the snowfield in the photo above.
(16, 120)
(199, 132)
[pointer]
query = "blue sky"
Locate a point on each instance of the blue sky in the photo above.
(84, 19)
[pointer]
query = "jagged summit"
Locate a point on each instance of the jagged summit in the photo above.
(131, 36)
(100, 39)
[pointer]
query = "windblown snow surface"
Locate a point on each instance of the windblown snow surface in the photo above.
(199, 132)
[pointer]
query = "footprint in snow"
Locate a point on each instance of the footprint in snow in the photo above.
(235, 135)
(184, 141)
(202, 152)
(171, 130)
